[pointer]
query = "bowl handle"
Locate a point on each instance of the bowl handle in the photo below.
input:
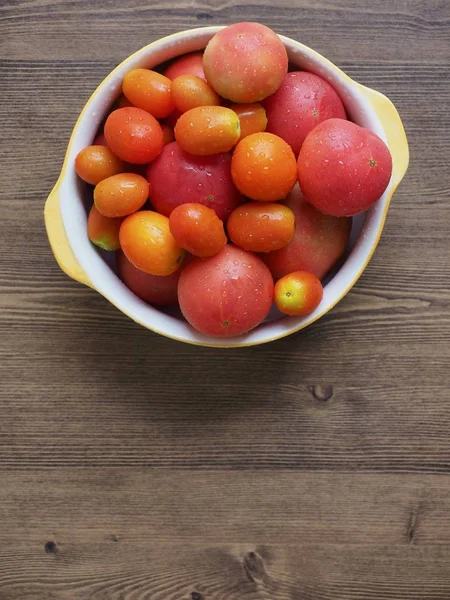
(394, 131)
(58, 239)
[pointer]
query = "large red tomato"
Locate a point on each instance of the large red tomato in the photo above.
(227, 294)
(301, 102)
(154, 289)
(343, 168)
(318, 243)
(177, 177)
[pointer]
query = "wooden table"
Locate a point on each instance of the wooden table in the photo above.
(137, 468)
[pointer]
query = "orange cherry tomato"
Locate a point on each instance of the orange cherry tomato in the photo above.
(146, 241)
(197, 229)
(167, 134)
(252, 118)
(103, 231)
(95, 163)
(134, 135)
(121, 195)
(207, 130)
(189, 91)
(298, 293)
(264, 167)
(150, 91)
(261, 227)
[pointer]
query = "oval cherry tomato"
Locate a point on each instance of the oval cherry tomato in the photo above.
(150, 91)
(134, 135)
(103, 231)
(154, 289)
(264, 167)
(189, 64)
(121, 195)
(261, 227)
(189, 91)
(207, 130)
(298, 293)
(95, 163)
(148, 244)
(252, 118)
(197, 229)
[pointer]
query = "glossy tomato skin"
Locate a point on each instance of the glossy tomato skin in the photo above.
(146, 240)
(208, 130)
(261, 227)
(252, 118)
(319, 241)
(298, 293)
(197, 229)
(103, 231)
(263, 167)
(189, 64)
(134, 135)
(177, 177)
(95, 163)
(343, 168)
(121, 195)
(301, 102)
(154, 289)
(245, 62)
(150, 91)
(190, 91)
(227, 294)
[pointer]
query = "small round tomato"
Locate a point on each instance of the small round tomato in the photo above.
(154, 289)
(167, 134)
(264, 167)
(261, 227)
(189, 91)
(95, 163)
(298, 293)
(226, 294)
(197, 229)
(147, 242)
(207, 130)
(103, 231)
(189, 64)
(121, 195)
(134, 135)
(177, 177)
(150, 91)
(252, 118)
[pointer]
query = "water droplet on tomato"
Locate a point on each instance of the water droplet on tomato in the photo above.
(265, 218)
(199, 186)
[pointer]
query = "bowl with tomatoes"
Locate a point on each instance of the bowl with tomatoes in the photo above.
(226, 186)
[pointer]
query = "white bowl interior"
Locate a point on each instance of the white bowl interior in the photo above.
(365, 229)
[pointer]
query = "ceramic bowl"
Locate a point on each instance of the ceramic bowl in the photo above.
(65, 213)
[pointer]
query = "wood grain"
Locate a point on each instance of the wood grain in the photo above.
(136, 468)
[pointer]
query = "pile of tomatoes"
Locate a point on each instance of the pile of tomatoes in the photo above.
(227, 183)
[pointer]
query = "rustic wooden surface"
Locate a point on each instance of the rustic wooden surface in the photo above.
(136, 468)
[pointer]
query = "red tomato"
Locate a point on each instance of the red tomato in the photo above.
(318, 243)
(189, 64)
(133, 135)
(150, 91)
(227, 294)
(197, 229)
(301, 102)
(245, 62)
(154, 289)
(263, 167)
(298, 293)
(343, 168)
(208, 130)
(177, 177)
(261, 226)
